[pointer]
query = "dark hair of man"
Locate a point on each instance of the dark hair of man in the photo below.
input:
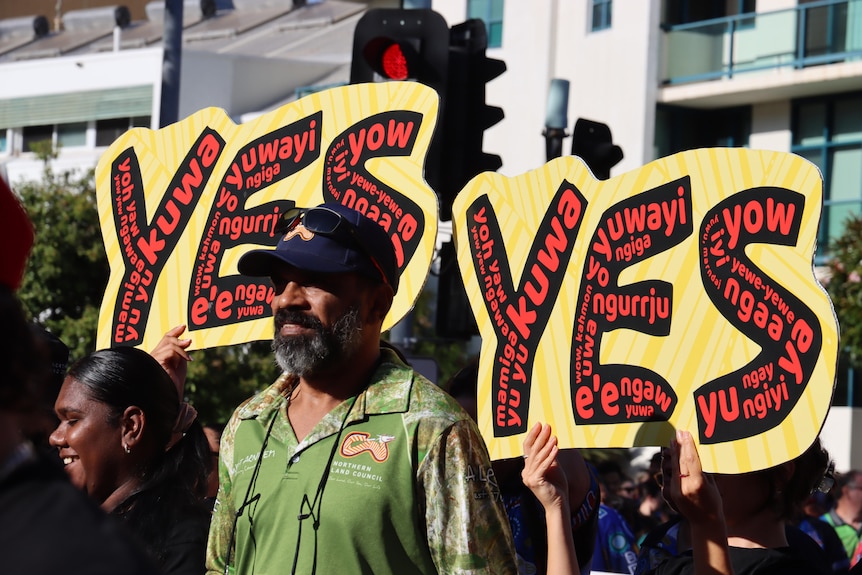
(174, 481)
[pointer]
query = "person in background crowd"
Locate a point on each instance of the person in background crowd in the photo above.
(846, 517)
(616, 546)
(38, 427)
(808, 521)
(213, 432)
(737, 523)
(127, 441)
(628, 489)
(524, 510)
(820, 503)
(611, 478)
(823, 534)
(652, 509)
(47, 525)
(616, 549)
(351, 462)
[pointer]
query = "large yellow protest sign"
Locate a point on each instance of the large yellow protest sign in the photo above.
(677, 296)
(180, 205)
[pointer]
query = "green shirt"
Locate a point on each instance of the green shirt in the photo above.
(848, 534)
(409, 488)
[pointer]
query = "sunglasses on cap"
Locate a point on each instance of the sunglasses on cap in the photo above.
(326, 222)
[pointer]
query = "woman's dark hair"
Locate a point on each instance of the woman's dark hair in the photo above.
(791, 493)
(174, 480)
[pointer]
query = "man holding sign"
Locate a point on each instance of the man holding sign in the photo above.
(351, 462)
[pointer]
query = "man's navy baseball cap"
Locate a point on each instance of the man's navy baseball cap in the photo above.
(326, 242)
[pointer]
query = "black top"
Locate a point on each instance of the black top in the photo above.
(171, 529)
(47, 526)
(779, 561)
(185, 553)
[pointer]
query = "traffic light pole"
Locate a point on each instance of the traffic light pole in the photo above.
(556, 118)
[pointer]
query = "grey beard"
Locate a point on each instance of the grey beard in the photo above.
(306, 355)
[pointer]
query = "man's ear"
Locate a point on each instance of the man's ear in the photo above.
(133, 422)
(381, 302)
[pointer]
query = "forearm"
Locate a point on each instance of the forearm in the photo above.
(562, 559)
(710, 550)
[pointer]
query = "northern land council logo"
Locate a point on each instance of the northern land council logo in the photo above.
(359, 442)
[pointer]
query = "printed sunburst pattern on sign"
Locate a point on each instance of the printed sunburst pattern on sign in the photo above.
(680, 295)
(180, 205)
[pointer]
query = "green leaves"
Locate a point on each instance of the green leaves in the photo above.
(68, 269)
(845, 287)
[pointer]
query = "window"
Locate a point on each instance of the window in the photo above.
(4, 141)
(490, 12)
(678, 129)
(687, 11)
(828, 132)
(601, 15)
(35, 134)
(72, 135)
(109, 130)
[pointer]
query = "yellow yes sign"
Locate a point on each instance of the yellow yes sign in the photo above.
(679, 295)
(180, 205)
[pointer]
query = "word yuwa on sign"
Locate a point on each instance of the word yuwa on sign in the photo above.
(680, 295)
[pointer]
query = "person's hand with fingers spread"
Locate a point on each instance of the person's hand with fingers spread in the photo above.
(171, 354)
(543, 475)
(697, 498)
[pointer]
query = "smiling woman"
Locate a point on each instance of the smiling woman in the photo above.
(124, 440)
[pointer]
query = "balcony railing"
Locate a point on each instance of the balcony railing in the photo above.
(810, 34)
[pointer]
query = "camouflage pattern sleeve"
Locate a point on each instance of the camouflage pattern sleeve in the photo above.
(223, 512)
(468, 531)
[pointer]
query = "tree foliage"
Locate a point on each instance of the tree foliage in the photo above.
(67, 270)
(845, 287)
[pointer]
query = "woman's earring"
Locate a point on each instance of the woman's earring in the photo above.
(127, 448)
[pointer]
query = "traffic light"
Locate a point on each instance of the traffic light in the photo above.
(592, 142)
(397, 44)
(394, 44)
(466, 115)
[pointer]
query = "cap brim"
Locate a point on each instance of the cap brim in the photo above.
(262, 263)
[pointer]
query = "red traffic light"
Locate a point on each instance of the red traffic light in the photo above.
(391, 59)
(394, 63)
